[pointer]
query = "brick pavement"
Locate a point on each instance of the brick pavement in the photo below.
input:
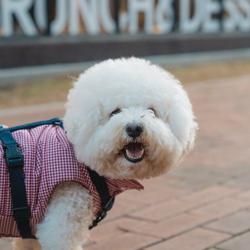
(202, 205)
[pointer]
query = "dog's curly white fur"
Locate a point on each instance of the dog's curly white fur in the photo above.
(126, 118)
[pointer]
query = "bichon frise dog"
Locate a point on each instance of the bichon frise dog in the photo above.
(125, 119)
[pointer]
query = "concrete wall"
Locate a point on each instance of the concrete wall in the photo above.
(24, 52)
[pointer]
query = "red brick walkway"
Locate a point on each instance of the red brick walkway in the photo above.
(202, 205)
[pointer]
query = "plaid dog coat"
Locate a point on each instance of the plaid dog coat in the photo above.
(49, 160)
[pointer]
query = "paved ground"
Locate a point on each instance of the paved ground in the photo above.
(202, 205)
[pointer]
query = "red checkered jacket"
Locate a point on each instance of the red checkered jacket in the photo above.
(48, 161)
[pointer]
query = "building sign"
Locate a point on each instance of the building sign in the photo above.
(74, 17)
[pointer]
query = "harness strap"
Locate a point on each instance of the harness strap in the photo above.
(107, 201)
(15, 162)
(53, 121)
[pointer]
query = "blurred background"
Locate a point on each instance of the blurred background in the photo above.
(205, 203)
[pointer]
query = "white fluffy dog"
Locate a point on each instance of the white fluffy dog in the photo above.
(126, 119)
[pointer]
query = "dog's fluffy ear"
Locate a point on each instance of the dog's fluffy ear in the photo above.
(80, 109)
(182, 121)
(82, 117)
(191, 137)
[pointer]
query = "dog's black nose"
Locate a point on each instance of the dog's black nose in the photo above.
(134, 130)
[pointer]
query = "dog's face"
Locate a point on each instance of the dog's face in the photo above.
(127, 118)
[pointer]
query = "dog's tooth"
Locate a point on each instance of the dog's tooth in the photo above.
(136, 155)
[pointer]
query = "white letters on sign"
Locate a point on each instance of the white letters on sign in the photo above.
(244, 21)
(238, 15)
(88, 10)
(106, 20)
(60, 21)
(165, 15)
(20, 9)
(40, 13)
(135, 7)
(188, 23)
(231, 21)
(209, 24)
(94, 16)
(92, 13)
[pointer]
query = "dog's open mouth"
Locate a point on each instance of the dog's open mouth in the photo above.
(134, 152)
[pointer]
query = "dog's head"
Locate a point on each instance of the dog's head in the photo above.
(127, 118)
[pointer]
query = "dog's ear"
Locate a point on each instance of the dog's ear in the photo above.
(183, 123)
(81, 113)
(191, 137)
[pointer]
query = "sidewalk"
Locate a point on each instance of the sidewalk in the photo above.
(202, 205)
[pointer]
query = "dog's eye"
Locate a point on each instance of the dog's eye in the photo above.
(114, 112)
(152, 110)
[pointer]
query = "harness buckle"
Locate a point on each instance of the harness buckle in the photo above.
(109, 204)
(103, 213)
(13, 155)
